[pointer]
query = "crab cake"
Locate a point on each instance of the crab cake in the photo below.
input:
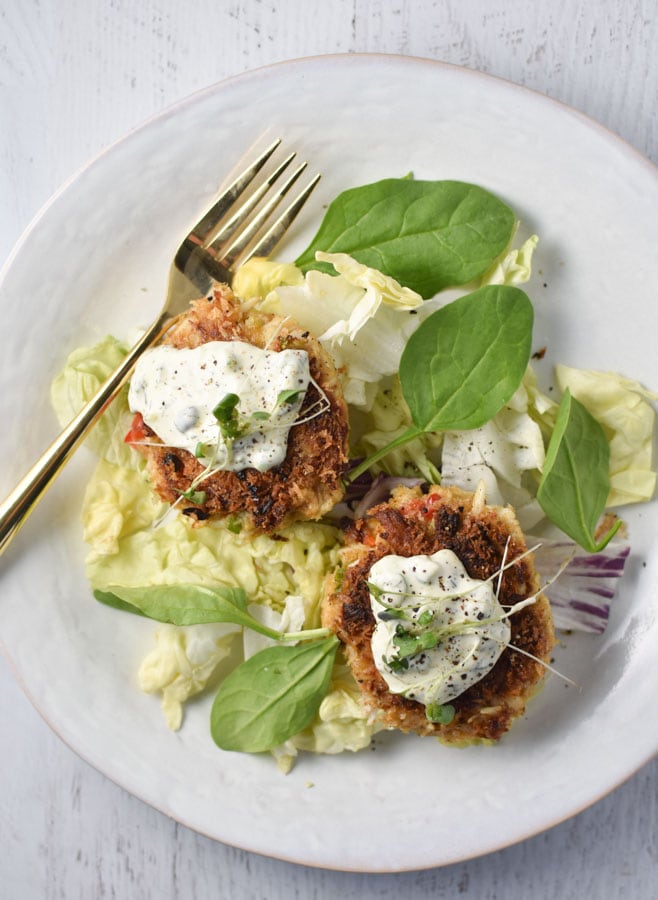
(306, 482)
(483, 538)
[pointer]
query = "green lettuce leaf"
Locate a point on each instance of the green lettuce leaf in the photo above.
(84, 372)
(622, 408)
(181, 664)
(258, 276)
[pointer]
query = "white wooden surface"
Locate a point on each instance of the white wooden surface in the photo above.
(74, 76)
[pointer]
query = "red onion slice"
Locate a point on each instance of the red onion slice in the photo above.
(581, 597)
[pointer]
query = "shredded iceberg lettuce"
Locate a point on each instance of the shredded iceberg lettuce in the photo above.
(258, 276)
(507, 454)
(514, 266)
(291, 618)
(361, 304)
(116, 505)
(84, 372)
(387, 419)
(378, 289)
(125, 550)
(181, 664)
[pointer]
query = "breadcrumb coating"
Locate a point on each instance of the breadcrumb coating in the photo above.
(309, 481)
(412, 523)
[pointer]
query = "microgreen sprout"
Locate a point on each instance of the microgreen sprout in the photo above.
(377, 592)
(418, 635)
(410, 644)
(233, 425)
(317, 408)
(545, 665)
(392, 612)
(197, 497)
(395, 664)
(276, 332)
(226, 413)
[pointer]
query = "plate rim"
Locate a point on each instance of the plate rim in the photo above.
(173, 110)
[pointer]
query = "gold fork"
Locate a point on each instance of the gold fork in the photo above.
(239, 225)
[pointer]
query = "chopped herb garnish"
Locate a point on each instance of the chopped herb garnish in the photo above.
(198, 497)
(409, 644)
(226, 414)
(288, 396)
(441, 713)
(395, 664)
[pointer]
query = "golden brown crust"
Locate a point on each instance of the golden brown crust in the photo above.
(413, 523)
(308, 482)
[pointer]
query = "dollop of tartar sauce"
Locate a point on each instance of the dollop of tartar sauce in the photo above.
(437, 590)
(176, 391)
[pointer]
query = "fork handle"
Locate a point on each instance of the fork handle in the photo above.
(15, 509)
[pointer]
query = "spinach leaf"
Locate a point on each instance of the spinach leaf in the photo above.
(575, 483)
(272, 696)
(114, 601)
(428, 235)
(464, 362)
(185, 604)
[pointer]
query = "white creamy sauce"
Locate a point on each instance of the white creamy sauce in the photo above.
(436, 588)
(176, 392)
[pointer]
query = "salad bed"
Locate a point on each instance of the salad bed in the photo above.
(453, 399)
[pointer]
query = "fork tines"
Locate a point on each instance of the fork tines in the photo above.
(238, 224)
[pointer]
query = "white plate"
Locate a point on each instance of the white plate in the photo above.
(95, 261)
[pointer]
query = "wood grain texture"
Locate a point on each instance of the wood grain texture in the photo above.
(73, 78)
